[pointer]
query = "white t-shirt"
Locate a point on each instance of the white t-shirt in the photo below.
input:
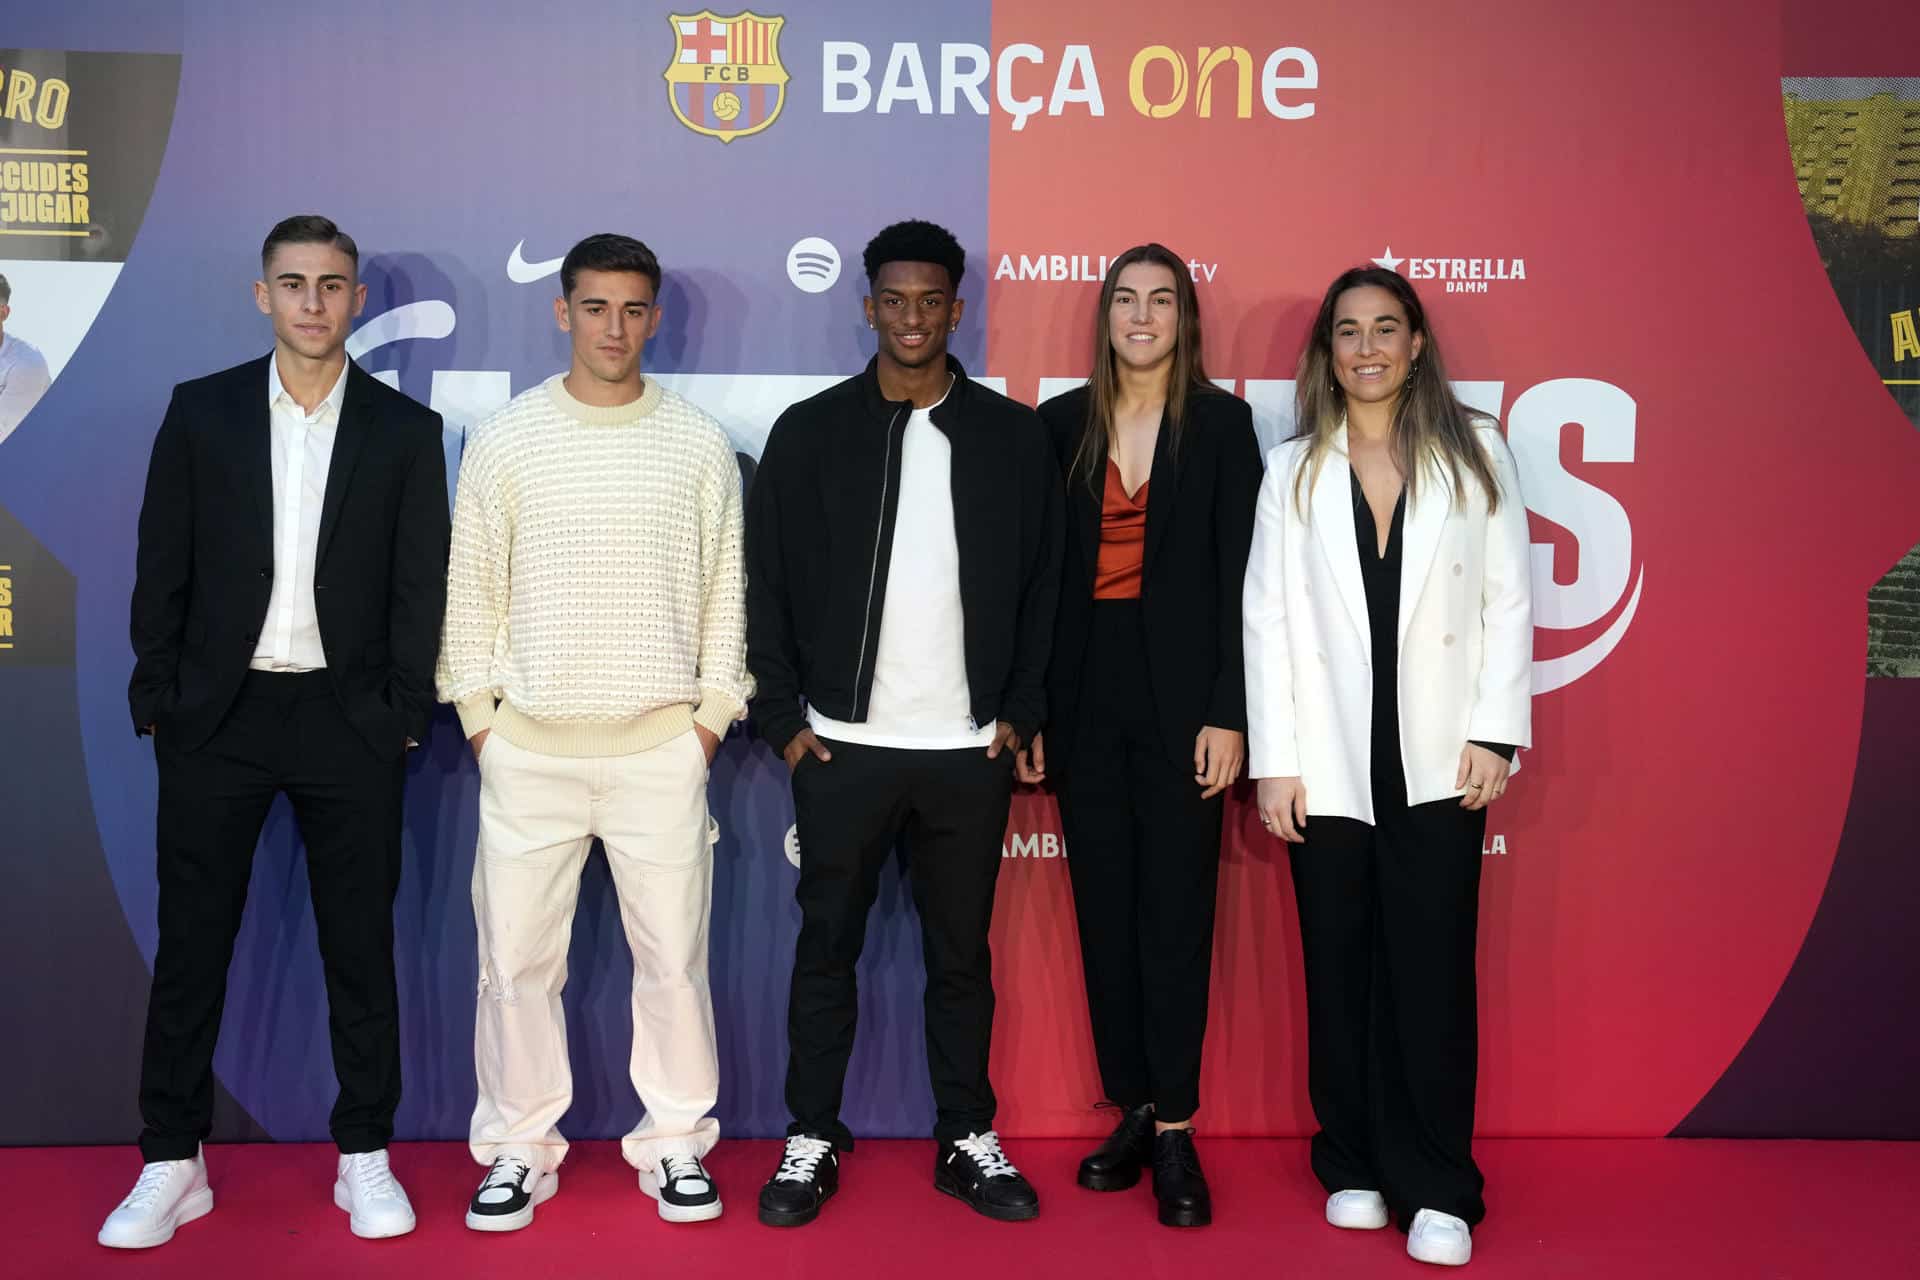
(920, 699)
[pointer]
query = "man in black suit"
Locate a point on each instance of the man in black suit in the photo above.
(289, 588)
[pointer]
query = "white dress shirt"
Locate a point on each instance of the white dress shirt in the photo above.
(302, 449)
(920, 698)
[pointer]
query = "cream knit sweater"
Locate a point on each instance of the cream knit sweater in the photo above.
(596, 589)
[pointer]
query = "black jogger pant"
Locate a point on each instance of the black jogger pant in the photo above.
(950, 808)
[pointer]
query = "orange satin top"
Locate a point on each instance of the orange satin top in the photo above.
(1123, 539)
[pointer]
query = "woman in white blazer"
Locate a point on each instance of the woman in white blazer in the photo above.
(1389, 650)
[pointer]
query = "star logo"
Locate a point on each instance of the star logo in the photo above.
(1388, 261)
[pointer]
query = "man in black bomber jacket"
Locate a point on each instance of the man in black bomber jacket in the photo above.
(903, 550)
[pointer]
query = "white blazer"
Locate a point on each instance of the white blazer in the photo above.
(1466, 631)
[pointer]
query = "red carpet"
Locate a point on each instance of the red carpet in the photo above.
(1559, 1208)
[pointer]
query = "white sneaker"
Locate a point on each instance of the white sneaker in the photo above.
(167, 1194)
(1357, 1210)
(509, 1194)
(376, 1205)
(684, 1189)
(1439, 1238)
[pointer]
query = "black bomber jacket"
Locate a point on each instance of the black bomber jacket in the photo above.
(819, 525)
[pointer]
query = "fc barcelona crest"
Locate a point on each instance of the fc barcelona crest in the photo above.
(726, 79)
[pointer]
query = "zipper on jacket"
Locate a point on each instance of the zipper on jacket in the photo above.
(873, 570)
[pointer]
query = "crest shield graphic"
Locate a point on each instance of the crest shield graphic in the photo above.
(725, 79)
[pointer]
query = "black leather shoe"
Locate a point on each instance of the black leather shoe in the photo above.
(975, 1170)
(1178, 1184)
(808, 1175)
(1115, 1165)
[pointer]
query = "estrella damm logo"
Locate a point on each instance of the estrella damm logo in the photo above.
(725, 79)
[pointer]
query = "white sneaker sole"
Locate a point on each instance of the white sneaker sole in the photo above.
(1357, 1218)
(193, 1205)
(544, 1189)
(343, 1200)
(1440, 1255)
(650, 1183)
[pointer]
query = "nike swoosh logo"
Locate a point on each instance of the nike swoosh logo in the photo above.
(520, 271)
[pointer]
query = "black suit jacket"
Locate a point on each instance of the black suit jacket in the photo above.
(1200, 507)
(205, 562)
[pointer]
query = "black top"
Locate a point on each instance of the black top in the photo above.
(204, 568)
(1200, 514)
(1380, 574)
(819, 524)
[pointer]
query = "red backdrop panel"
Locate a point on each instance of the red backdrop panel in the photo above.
(1670, 834)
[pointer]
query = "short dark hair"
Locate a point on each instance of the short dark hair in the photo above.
(608, 252)
(916, 241)
(6, 292)
(308, 228)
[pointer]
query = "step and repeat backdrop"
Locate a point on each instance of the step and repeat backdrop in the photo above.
(1671, 246)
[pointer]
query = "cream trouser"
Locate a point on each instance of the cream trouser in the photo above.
(538, 815)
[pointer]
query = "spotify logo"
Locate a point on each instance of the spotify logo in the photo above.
(813, 265)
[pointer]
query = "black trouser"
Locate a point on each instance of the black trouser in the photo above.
(1143, 851)
(286, 732)
(1388, 915)
(950, 807)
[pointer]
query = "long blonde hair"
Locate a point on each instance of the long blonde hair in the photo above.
(1429, 422)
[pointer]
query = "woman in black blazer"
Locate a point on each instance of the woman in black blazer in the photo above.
(1146, 702)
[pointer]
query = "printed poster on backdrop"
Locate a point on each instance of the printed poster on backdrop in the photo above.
(81, 140)
(1855, 145)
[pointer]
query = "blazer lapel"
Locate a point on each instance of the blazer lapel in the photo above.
(1163, 482)
(1085, 505)
(1426, 516)
(1332, 506)
(348, 438)
(253, 455)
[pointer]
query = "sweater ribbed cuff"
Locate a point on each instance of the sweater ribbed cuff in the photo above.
(717, 712)
(476, 713)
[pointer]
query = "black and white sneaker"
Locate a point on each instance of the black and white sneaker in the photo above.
(508, 1194)
(974, 1169)
(808, 1175)
(684, 1189)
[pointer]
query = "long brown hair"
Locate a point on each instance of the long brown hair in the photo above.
(1188, 375)
(1429, 422)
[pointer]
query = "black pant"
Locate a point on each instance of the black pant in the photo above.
(951, 809)
(1143, 851)
(286, 733)
(1388, 915)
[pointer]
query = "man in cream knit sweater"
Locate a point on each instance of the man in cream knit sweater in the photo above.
(595, 647)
